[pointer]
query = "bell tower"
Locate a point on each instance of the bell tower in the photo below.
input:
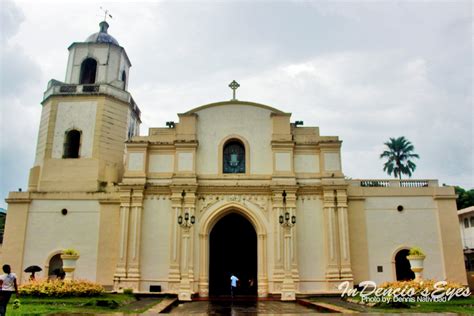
(86, 119)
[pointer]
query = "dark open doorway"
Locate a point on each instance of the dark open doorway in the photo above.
(402, 266)
(233, 249)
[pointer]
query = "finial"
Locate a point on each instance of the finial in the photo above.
(234, 85)
(104, 26)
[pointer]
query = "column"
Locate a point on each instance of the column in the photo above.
(185, 286)
(203, 265)
(287, 222)
(331, 238)
(345, 263)
(262, 279)
(174, 269)
(135, 220)
(288, 291)
(277, 210)
(190, 207)
(121, 272)
(187, 220)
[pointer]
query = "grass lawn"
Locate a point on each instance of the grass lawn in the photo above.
(105, 303)
(461, 305)
(464, 306)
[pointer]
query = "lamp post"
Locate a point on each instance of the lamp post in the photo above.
(186, 222)
(287, 221)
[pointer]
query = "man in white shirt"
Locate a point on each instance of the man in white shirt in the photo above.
(8, 285)
(233, 284)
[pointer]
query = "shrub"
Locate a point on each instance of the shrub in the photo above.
(16, 304)
(60, 288)
(415, 251)
(128, 291)
(70, 251)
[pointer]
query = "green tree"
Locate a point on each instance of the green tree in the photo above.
(398, 154)
(465, 198)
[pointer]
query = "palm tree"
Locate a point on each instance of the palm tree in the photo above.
(399, 152)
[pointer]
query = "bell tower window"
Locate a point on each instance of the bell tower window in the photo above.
(234, 157)
(88, 71)
(72, 143)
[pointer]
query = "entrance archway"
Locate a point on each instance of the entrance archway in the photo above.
(233, 249)
(402, 266)
(209, 218)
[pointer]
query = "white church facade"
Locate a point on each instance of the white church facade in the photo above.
(232, 187)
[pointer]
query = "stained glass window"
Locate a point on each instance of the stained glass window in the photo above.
(234, 157)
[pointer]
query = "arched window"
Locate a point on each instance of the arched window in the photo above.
(402, 266)
(124, 76)
(72, 143)
(234, 157)
(88, 71)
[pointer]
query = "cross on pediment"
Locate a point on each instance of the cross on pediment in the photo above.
(234, 85)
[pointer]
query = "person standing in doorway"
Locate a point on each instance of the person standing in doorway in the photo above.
(9, 285)
(233, 284)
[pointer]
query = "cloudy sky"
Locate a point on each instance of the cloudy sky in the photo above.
(362, 70)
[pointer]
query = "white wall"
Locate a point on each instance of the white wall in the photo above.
(467, 233)
(155, 242)
(42, 134)
(161, 163)
(75, 115)
(110, 61)
(306, 163)
(217, 122)
(310, 243)
(389, 229)
(49, 231)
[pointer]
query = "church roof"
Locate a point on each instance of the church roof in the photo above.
(102, 36)
(466, 210)
(236, 102)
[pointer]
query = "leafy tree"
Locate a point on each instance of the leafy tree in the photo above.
(399, 152)
(465, 198)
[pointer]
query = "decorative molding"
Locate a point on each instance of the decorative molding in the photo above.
(204, 202)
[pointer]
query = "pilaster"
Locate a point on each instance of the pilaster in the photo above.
(345, 257)
(127, 273)
(174, 269)
(331, 238)
(15, 230)
(277, 210)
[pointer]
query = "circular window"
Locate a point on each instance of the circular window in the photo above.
(64, 211)
(400, 208)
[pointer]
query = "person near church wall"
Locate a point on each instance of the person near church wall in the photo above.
(9, 285)
(233, 284)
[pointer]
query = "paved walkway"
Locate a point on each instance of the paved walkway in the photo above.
(242, 308)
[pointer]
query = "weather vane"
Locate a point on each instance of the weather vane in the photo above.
(234, 85)
(106, 14)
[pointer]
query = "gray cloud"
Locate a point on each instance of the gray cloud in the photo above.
(20, 75)
(364, 71)
(10, 19)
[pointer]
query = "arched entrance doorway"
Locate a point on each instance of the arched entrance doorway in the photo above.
(402, 266)
(233, 249)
